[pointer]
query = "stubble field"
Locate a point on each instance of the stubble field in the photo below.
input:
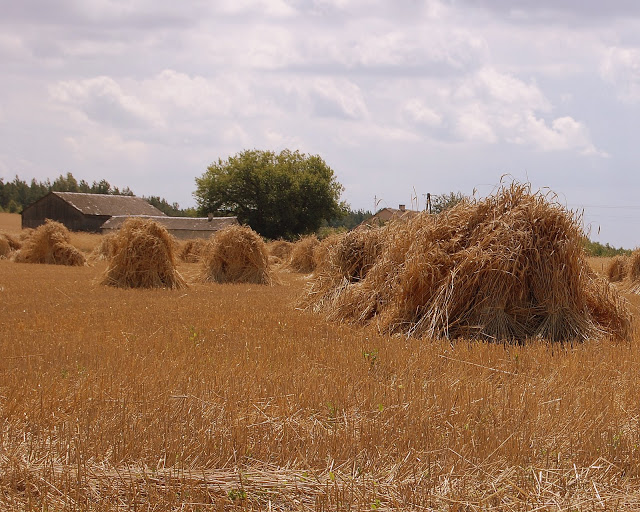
(227, 396)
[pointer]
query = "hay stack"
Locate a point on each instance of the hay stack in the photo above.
(5, 248)
(281, 249)
(105, 249)
(301, 258)
(50, 243)
(236, 254)
(192, 250)
(617, 269)
(143, 257)
(508, 268)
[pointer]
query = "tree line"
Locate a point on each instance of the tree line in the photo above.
(17, 194)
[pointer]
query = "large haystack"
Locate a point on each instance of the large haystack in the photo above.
(301, 258)
(50, 243)
(192, 250)
(618, 268)
(236, 254)
(508, 268)
(143, 257)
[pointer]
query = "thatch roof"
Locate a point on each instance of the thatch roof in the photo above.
(106, 204)
(177, 223)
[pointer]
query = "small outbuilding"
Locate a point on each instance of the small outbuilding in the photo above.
(385, 215)
(84, 212)
(183, 228)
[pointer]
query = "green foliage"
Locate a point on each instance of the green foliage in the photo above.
(350, 219)
(442, 202)
(172, 210)
(606, 250)
(18, 194)
(278, 195)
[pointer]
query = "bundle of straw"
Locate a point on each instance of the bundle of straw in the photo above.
(507, 268)
(143, 257)
(50, 243)
(618, 268)
(301, 258)
(192, 250)
(281, 249)
(236, 254)
(105, 249)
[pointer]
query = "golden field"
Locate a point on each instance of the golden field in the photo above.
(219, 397)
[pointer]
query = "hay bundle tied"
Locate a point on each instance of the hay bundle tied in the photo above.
(105, 249)
(50, 243)
(236, 254)
(143, 257)
(301, 258)
(507, 268)
(632, 273)
(617, 269)
(5, 248)
(192, 250)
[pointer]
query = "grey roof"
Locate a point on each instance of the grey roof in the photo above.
(177, 223)
(103, 204)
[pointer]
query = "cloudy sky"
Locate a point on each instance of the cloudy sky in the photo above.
(399, 97)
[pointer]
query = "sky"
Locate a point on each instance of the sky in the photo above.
(399, 97)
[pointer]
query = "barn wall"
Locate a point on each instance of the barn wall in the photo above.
(54, 208)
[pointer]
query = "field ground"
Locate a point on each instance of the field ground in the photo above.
(220, 397)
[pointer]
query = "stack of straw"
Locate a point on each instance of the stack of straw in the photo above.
(507, 268)
(50, 243)
(143, 257)
(236, 254)
(301, 258)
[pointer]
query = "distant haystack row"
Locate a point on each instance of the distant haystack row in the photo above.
(49, 243)
(507, 268)
(625, 270)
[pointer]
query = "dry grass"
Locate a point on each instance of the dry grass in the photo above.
(196, 399)
(50, 244)
(191, 251)
(281, 249)
(143, 257)
(617, 269)
(508, 268)
(236, 254)
(301, 258)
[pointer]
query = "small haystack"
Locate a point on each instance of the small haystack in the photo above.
(5, 248)
(507, 268)
(617, 269)
(106, 248)
(236, 254)
(632, 271)
(50, 243)
(192, 250)
(281, 249)
(143, 257)
(301, 258)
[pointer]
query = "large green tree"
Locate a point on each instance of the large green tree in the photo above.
(279, 195)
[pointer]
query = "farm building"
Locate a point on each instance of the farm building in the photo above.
(386, 214)
(182, 228)
(83, 212)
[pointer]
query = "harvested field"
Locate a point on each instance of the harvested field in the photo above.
(108, 405)
(236, 254)
(50, 244)
(508, 268)
(143, 257)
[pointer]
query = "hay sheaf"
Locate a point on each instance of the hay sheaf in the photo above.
(143, 257)
(236, 254)
(618, 269)
(301, 258)
(50, 244)
(506, 268)
(192, 250)
(105, 249)
(632, 273)
(280, 249)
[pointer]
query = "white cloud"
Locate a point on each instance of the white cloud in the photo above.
(621, 68)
